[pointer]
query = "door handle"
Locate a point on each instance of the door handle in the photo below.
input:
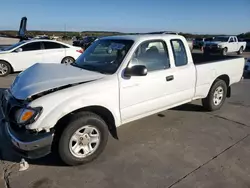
(169, 78)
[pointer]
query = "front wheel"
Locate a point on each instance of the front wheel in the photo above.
(83, 139)
(224, 52)
(5, 68)
(216, 96)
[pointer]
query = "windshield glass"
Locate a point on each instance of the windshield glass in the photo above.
(13, 46)
(221, 39)
(104, 56)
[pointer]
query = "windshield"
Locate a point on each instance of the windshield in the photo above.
(221, 39)
(209, 39)
(104, 56)
(13, 46)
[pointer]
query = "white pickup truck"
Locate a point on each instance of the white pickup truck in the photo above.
(117, 80)
(224, 45)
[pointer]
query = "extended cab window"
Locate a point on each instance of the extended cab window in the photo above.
(180, 55)
(51, 45)
(152, 54)
(31, 46)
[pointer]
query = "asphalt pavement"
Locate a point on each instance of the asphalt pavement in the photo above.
(181, 147)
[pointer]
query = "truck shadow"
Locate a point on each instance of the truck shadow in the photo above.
(189, 107)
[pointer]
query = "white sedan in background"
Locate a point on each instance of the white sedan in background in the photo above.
(24, 54)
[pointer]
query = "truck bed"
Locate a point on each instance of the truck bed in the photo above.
(199, 58)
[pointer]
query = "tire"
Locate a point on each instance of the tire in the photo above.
(240, 51)
(209, 103)
(5, 68)
(82, 121)
(68, 60)
(224, 51)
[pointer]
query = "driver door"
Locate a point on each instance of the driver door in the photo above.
(141, 95)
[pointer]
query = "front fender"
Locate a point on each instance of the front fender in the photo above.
(57, 105)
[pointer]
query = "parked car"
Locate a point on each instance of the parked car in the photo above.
(119, 79)
(24, 54)
(224, 45)
(200, 42)
(85, 42)
(247, 66)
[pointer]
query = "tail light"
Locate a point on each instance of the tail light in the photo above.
(80, 51)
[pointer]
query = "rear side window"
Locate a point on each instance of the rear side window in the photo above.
(179, 50)
(63, 46)
(31, 46)
(51, 45)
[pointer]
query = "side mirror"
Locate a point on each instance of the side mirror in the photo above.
(18, 50)
(136, 70)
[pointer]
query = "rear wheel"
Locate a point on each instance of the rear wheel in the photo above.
(216, 96)
(68, 60)
(5, 68)
(240, 51)
(83, 139)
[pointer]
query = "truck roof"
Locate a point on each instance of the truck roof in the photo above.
(143, 37)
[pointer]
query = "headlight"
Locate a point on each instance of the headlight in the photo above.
(219, 46)
(27, 115)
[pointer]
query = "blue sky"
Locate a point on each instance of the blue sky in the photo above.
(195, 16)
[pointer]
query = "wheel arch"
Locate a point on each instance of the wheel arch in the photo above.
(226, 79)
(11, 67)
(103, 112)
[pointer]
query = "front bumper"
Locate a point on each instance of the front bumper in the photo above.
(26, 144)
(213, 49)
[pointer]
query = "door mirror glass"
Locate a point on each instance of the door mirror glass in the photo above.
(19, 50)
(136, 70)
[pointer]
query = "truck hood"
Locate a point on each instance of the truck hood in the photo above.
(43, 77)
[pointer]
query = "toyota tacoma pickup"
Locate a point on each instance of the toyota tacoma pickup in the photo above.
(71, 109)
(224, 45)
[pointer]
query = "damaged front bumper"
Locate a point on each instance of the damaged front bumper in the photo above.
(28, 145)
(24, 142)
